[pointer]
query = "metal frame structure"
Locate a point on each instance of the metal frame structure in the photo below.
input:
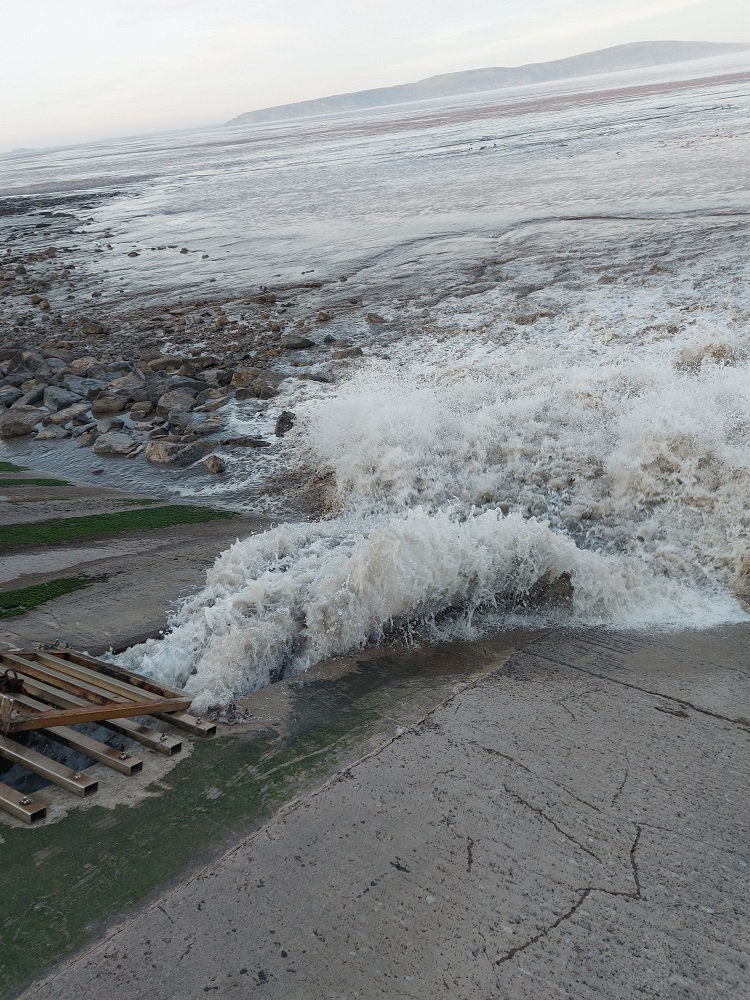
(52, 690)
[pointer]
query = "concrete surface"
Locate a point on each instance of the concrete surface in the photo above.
(573, 825)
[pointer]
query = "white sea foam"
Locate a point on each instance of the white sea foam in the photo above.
(464, 484)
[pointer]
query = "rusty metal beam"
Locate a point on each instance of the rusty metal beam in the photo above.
(184, 720)
(117, 673)
(95, 749)
(57, 679)
(151, 738)
(20, 805)
(99, 680)
(74, 781)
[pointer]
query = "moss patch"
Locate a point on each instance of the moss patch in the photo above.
(10, 467)
(5, 483)
(17, 602)
(71, 529)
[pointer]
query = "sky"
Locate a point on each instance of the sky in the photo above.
(79, 70)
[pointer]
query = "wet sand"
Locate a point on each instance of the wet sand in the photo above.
(571, 824)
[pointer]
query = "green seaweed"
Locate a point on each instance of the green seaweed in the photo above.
(62, 530)
(5, 483)
(17, 602)
(10, 467)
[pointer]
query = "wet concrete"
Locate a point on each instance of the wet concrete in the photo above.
(573, 823)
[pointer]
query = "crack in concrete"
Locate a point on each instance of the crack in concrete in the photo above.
(637, 896)
(469, 854)
(540, 777)
(619, 791)
(547, 930)
(681, 702)
(543, 815)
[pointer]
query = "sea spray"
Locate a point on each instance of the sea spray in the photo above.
(468, 478)
(283, 600)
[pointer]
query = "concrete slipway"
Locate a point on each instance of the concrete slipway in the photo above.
(570, 821)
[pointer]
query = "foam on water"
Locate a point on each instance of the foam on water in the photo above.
(477, 483)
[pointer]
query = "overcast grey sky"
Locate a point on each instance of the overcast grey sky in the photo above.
(73, 70)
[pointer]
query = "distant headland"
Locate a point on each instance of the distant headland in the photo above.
(636, 55)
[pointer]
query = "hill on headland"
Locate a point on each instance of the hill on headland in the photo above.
(636, 55)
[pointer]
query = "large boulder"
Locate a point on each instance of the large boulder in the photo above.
(176, 399)
(285, 422)
(52, 433)
(115, 443)
(76, 412)
(87, 388)
(19, 421)
(9, 395)
(293, 343)
(56, 398)
(176, 452)
(107, 403)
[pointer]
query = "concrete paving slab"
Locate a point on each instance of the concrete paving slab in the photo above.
(574, 825)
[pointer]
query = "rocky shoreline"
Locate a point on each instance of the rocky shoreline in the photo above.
(152, 379)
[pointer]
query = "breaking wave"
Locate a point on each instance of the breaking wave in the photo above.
(477, 485)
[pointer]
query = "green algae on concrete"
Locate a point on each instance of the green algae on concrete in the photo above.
(62, 883)
(6, 483)
(17, 602)
(71, 529)
(10, 467)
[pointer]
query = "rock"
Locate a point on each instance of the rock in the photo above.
(133, 253)
(166, 362)
(296, 343)
(107, 403)
(9, 395)
(245, 442)
(179, 420)
(128, 383)
(91, 328)
(50, 367)
(32, 396)
(17, 378)
(73, 412)
(87, 388)
(184, 250)
(176, 399)
(53, 433)
(264, 390)
(87, 438)
(346, 352)
(324, 317)
(274, 326)
(329, 339)
(139, 410)
(264, 299)
(242, 379)
(114, 443)
(215, 464)
(19, 421)
(56, 398)
(211, 405)
(285, 422)
(81, 365)
(109, 424)
(176, 453)
(374, 318)
(180, 382)
(214, 426)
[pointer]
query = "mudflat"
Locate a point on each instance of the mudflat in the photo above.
(572, 823)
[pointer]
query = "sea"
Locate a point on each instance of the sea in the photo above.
(551, 427)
